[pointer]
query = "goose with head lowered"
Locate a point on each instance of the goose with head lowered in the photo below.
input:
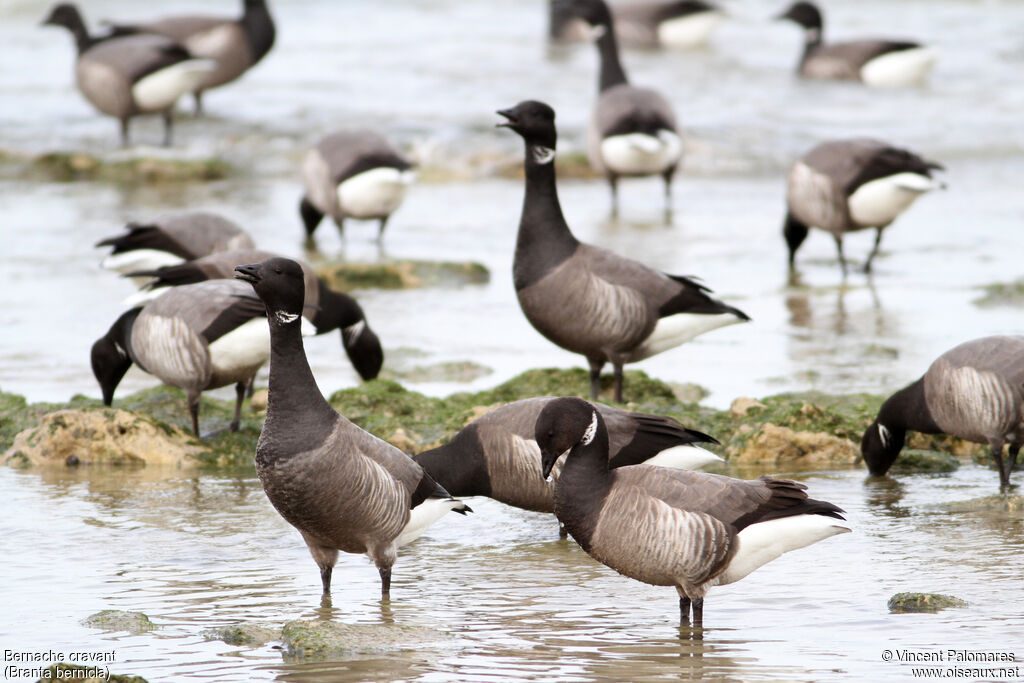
(341, 487)
(671, 527)
(127, 76)
(195, 337)
(235, 44)
(586, 299)
(353, 174)
(875, 62)
(677, 24)
(842, 186)
(974, 391)
(497, 455)
(632, 131)
(326, 309)
(170, 240)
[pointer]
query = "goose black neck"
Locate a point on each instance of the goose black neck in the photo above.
(612, 73)
(75, 24)
(812, 39)
(542, 226)
(907, 409)
(294, 400)
(335, 310)
(582, 487)
(258, 26)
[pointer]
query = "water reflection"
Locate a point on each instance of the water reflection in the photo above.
(884, 494)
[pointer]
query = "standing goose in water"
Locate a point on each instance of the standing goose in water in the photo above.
(341, 487)
(678, 24)
(586, 299)
(879, 63)
(326, 309)
(196, 337)
(353, 174)
(632, 130)
(497, 456)
(670, 527)
(842, 186)
(235, 44)
(974, 391)
(131, 75)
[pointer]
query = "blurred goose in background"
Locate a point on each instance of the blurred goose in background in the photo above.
(236, 44)
(974, 391)
(586, 299)
(497, 456)
(326, 309)
(671, 527)
(632, 130)
(353, 174)
(842, 186)
(341, 487)
(679, 24)
(127, 76)
(170, 240)
(879, 63)
(195, 337)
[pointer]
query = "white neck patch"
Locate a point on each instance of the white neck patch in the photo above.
(353, 331)
(591, 432)
(884, 435)
(285, 318)
(597, 32)
(542, 155)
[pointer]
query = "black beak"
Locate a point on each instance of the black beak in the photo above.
(249, 273)
(547, 462)
(510, 115)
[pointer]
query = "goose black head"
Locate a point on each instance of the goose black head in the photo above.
(363, 348)
(534, 121)
(563, 424)
(804, 13)
(64, 14)
(109, 356)
(280, 284)
(880, 446)
(594, 12)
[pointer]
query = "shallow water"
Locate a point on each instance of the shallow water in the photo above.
(513, 600)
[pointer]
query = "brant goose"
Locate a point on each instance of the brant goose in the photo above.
(131, 75)
(170, 240)
(846, 185)
(670, 527)
(326, 309)
(235, 44)
(880, 63)
(341, 487)
(353, 174)
(586, 299)
(497, 456)
(679, 24)
(195, 337)
(974, 391)
(632, 130)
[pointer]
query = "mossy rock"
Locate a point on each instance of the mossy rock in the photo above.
(346, 277)
(321, 640)
(1001, 294)
(73, 166)
(249, 635)
(62, 671)
(999, 502)
(914, 461)
(923, 602)
(450, 371)
(120, 620)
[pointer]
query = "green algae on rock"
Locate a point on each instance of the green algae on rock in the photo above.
(451, 371)
(319, 640)
(62, 671)
(74, 166)
(250, 635)
(346, 277)
(923, 602)
(119, 620)
(998, 502)
(1001, 294)
(917, 461)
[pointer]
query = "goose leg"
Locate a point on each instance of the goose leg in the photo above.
(239, 397)
(311, 216)
(198, 97)
(595, 377)
(168, 117)
(380, 231)
(193, 410)
(617, 367)
(250, 387)
(684, 609)
(325, 578)
(613, 183)
(839, 250)
(667, 177)
(698, 613)
(125, 141)
(997, 455)
(1011, 461)
(874, 250)
(385, 583)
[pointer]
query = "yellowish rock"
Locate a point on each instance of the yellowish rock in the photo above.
(106, 436)
(742, 405)
(781, 445)
(258, 402)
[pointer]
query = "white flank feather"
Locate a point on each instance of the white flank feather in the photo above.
(687, 457)
(142, 297)
(374, 193)
(423, 515)
(898, 69)
(878, 202)
(140, 259)
(678, 329)
(641, 154)
(161, 89)
(241, 349)
(760, 543)
(690, 31)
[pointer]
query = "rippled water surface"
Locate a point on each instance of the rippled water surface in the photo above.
(507, 598)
